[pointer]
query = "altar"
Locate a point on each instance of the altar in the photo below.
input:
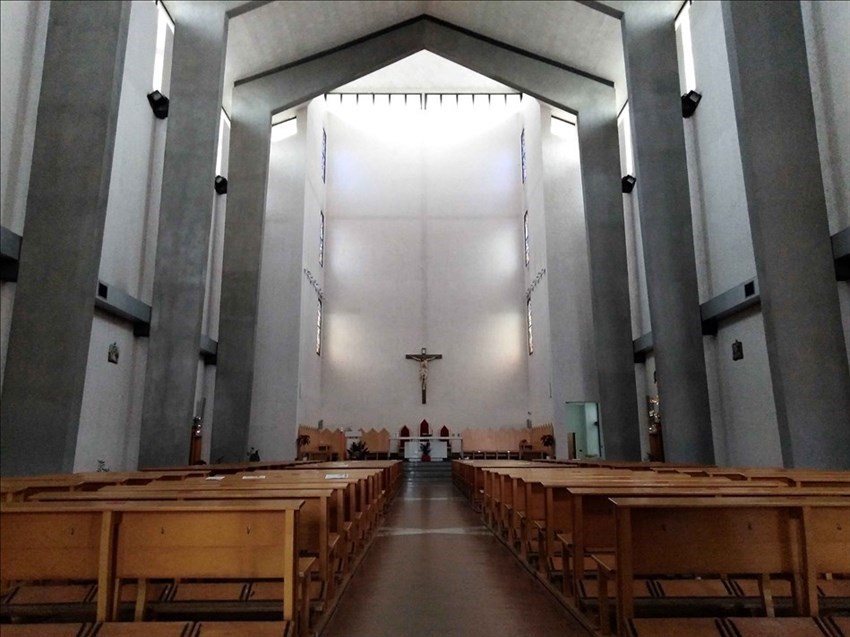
(439, 446)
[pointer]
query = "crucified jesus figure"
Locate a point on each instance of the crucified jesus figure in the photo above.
(423, 358)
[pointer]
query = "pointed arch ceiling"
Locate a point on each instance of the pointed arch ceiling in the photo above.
(570, 33)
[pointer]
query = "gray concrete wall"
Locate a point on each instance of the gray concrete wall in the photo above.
(66, 210)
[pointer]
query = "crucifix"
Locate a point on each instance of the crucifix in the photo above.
(423, 359)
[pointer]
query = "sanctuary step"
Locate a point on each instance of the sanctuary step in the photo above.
(428, 470)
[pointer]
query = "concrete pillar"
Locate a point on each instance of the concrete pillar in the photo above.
(185, 219)
(662, 189)
(788, 219)
(609, 285)
(63, 232)
(240, 277)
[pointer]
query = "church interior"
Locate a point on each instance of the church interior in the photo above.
(526, 302)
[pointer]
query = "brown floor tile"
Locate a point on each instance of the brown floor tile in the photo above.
(435, 570)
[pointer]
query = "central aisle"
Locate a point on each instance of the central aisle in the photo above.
(435, 570)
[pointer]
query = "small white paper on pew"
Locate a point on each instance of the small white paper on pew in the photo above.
(253, 477)
(215, 478)
(336, 476)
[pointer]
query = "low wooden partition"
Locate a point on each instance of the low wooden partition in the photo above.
(506, 444)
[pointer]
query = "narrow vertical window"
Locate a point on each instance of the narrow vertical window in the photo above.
(525, 238)
(522, 153)
(530, 334)
(324, 155)
(164, 24)
(322, 238)
(683, 26)
(319, 329)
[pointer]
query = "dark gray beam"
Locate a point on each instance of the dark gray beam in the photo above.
(10, 254)
(209, 350)
(727, 304)
(118, 303)
(841, 254)
(643, 345)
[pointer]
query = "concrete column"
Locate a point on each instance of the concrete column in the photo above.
(788, 219)
(185, 218)
(609, 285)
(60, 257)
(240, 279)
(649, 41)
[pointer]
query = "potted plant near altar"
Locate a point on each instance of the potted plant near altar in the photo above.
(548, 441)
(302, 441)
(357, 450)
(425, 449)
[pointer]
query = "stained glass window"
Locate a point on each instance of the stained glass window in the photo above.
(525, 238)
(324, 155)
(319, 329)
(322, 238)
(522, 153)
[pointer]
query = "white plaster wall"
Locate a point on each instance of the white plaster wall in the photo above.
(110, 420)
(110, 415)
(313, 120)
(638, 294)
(122, 254)
(722, 238)
(573, 364)
(274, 400)
(749, 415)
(23, 33)
(424, 251)
(540, 405)
(827, 28)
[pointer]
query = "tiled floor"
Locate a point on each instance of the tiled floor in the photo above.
(435, 570)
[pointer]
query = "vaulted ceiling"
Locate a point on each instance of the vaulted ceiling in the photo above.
(571, 33)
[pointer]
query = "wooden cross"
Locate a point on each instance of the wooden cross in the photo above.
(423, 358)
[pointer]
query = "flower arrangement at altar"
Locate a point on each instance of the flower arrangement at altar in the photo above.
(548, 441)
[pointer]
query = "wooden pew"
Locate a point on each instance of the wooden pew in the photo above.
(147, 540)
(714, 536)
(315, 536)
(586, 515)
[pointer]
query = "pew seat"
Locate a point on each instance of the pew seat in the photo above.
(153, 629)
(671, 627)
(45, 630)
(776, 627)
(840, 625)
